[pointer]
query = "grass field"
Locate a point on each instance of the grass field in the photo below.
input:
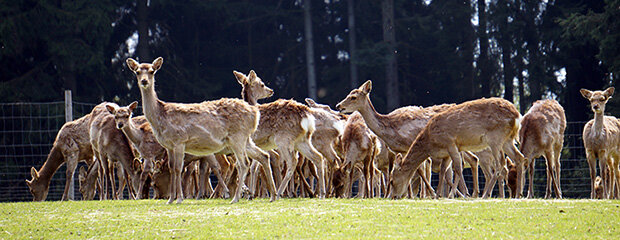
(312, 218)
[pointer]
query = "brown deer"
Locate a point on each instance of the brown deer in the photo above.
(358, 146)
(542, 134)
(72, 145)
(601, 138)
(110, 144)
(398, 128)
(140, 134)
(88, 181)
(470, 126)
(329, 127)
(284, 124)
(200, 129)
(598, 188)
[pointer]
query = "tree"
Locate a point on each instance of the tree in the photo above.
(309, 50)
(391, 70)
(352, 44)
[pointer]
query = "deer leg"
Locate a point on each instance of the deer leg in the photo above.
(605, 173)
(556, 169)
(242, 171)
(291, 164)
(590, 155)
(445, 164)
(72, 163)
(309, 152)
(549, 170)
(530, 171)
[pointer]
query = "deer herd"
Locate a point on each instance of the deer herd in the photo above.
(287, 149)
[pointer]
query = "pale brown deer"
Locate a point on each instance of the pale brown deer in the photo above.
(470, 126)
(140, 134)
(398, 128)
(358, 146)
(200, 129)
(284, 124)
(110, 144)
(72, 145)
(601, 138)
(542, 134)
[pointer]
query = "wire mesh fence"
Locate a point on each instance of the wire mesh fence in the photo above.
(28, 130)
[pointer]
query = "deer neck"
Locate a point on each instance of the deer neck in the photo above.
(374, 120)
(132, 132)
(245, 94)
(598, 122)
(151, 105)
(53, 162)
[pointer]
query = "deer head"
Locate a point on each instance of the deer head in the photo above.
(122, 114)
(87, 184)
(356, 99)
(37, 188)
(253, 87)
(145, 72)
(161, 179)
(400, 178)
(311, 103)
(598, 99)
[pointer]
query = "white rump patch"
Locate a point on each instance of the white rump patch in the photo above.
(339, 126)
(307, 123)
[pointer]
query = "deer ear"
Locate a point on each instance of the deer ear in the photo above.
(83, 174)
(132, 64)
(28, 182)
(310, 102)
(157, 63)
(366, 87)
(34, 173)
(586, 93)
(110, 109)
(252, 76)
(241, 78)
(137, 164)
(133, 106)
(609, 91)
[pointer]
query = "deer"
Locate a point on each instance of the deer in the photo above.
(601, 138)
(110, 144)
(398, 128)
(284, 124)
(200, 129)
(71, 146)
(140, 134)
(598, 188)
(470, 126)
(358, 146)
(329, 128)
(542, 134)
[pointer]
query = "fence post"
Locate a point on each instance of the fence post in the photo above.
(68, 118)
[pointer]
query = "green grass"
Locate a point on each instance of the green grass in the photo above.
(312, 218)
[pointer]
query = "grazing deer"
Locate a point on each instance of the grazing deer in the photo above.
(200, 129)
(601, 137)
(598, 188)
(398, 128)
(140, 134)
(110, 144)
(284, 124)
(495, 171)
(470, 126)
(72, 145)
(88, 181)
(542, 134)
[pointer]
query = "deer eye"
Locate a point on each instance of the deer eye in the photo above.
(353, 97)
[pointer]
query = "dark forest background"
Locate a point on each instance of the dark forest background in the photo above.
(417, 52)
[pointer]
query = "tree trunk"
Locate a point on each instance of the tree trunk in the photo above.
(391, 71)
(309, 50)
(483, 60)
(352, 45)
(143, 31)
(506, 43)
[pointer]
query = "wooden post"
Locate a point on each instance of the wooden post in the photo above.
(68, 118)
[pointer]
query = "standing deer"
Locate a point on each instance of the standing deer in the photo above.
(542, 134)
(470, 126)
(284, 124)
(200, 129)
(398, 128)
(72, 144)
(110, 144)
(601, 137)
(140, 134)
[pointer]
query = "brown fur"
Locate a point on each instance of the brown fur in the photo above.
(200, 129)
(542, 134)
(470, 126)
(601, 138)
(72, 144)
(284, 124)
(358, 144)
